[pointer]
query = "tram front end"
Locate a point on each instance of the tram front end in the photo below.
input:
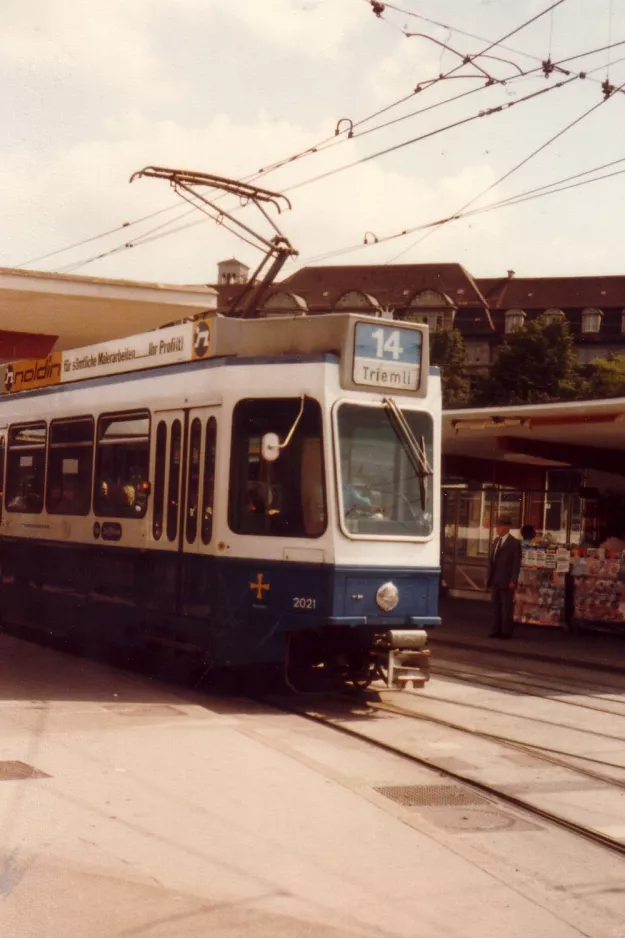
(382, 588)
(360, 455)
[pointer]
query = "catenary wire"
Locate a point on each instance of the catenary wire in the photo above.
(432, 133)
(491, 45)
(514, 169)
(146, 238)
(103, 234)
(399, 101)
(330, 141)
(539, 192)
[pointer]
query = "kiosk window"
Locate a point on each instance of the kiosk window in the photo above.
(70, 466)
(173, 492)
(26, 468)
(159, 479)
(122, 465)
(208, 490)
(284, 498)
(193, 479)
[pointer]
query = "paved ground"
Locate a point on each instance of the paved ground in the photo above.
(466, 624)
(163, 815)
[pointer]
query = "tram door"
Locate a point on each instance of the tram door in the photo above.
(199, 479)
(184, 477)
(198, 585)
(169, 428)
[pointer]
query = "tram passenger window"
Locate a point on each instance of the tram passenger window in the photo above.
(159, 480)
(122, 465)
(173, 492)
(284, 498)
(2, 458)
(208, 490)
(193, 479)
(70, 466)
(26, 467)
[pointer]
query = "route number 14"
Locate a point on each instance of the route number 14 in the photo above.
(387, 343)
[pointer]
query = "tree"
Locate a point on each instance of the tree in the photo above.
(537, 363)
(607, 377)
(448, 352)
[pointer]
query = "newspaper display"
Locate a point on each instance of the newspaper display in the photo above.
(599, 578)
(540, 597)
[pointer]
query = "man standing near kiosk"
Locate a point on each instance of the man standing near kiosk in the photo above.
(503, 576)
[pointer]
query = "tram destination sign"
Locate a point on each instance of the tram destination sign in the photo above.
(387, 356)
(184, 342)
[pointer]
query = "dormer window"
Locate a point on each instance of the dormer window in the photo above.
(356, 299)
(591, 320)
(434, 309)
(553, 314)
(515, 320)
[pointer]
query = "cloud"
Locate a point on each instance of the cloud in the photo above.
(82, 189)
(397, 74)
(100, 90)
(318, 28)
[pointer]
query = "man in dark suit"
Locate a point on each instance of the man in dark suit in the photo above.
(503, 574)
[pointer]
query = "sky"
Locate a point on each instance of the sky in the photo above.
(95, 91)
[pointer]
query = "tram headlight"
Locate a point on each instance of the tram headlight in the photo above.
(387, 597)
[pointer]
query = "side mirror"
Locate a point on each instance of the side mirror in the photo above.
(270, 447)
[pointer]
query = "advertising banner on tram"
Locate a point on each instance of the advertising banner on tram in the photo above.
(188, 341)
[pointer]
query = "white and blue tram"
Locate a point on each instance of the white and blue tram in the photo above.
(233, 492)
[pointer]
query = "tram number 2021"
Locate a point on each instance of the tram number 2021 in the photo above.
(304, 602)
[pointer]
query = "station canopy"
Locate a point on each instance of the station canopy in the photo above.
(41, 311)
(582, 434)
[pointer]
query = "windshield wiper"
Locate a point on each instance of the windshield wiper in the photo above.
(414, 449)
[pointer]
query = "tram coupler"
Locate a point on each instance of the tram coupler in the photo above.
(407, 661)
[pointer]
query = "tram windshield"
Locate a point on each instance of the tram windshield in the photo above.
(286, 497)
(385, 491)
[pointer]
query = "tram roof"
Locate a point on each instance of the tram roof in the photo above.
(374, 354)
(577, 434)
(71, 311)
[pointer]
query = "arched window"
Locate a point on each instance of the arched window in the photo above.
(515, 320)
(591, 320)
(282, 303)
(430, 298)
(435, 309)
(553, 314)
(356, 299)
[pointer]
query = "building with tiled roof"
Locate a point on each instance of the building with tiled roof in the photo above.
(593, 306)
(485, 310)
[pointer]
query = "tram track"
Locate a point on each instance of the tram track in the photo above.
(513, 683)
(315, 713)
(448, 701)
(544, 753)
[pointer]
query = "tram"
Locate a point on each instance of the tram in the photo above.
(229, 493)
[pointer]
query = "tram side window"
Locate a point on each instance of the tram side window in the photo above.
(284, 498)
(26, 468)
(159, 480)
(122, 465)
(193, 479)
(2, 458)
(70, 466)
(208, 491)
(173, 492)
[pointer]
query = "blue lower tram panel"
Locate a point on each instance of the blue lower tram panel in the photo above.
(236, 612)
